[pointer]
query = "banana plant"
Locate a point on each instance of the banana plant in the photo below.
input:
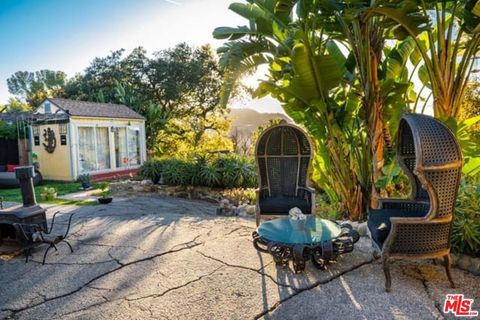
(379, 69)
(306, 72)
(448, 44)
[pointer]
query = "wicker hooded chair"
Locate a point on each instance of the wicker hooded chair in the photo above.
(420, 228)
(283, 154)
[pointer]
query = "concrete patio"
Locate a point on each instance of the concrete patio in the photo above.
(166, 258)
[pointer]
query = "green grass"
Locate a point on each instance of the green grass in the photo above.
(63, 188)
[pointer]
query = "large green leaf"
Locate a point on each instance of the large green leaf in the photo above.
(314, 75)
(423, 76)
(231, 33)
(304, 81)
(398, 57)
(249, 11)
(260, 18)
(412, 24)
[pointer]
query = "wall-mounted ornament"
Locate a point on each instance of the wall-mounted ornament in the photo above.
(50, 141)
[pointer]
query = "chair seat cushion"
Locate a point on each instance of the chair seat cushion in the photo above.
(379, 222)
(282, 205)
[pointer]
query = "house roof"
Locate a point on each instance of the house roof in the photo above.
(95, 110)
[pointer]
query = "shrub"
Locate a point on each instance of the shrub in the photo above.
(221, 172)
(466, 225)
(152, 170)
(236, 172)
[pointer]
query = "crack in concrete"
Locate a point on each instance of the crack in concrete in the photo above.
(427, 291)
(113, 258)
(187, 245)
(248, 268)
(158, 295)
(314, 285)
(93, 244)
(97, 304)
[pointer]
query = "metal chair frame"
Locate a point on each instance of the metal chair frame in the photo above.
(26, 231)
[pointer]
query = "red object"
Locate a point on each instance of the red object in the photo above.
(113, 175)
(11, 167)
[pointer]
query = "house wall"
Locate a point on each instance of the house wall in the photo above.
(53, 108)
(56, 165)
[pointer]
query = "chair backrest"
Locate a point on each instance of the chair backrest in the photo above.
(283, 154)
(430, 155)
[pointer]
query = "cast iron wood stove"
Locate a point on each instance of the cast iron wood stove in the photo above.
(30, 213)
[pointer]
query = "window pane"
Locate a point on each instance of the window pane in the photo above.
(121, 154)
(86, 146)
(48, 107)
(134, 146)
(103, 149)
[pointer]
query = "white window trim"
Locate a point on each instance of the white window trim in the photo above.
(113, 165)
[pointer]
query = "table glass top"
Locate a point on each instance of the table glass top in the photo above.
(311, 230)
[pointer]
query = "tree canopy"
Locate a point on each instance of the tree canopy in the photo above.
(173, 84)
(33, 87)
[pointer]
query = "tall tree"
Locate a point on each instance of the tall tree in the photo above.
(177, 83)
(33, 87)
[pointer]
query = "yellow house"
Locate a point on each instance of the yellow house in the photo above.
(70, 138)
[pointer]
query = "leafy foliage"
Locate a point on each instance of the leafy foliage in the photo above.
(466, 226)
(220, 172)
(151, 169)
(345, 106)
(33, 87)
(13, 131)
(177, 90)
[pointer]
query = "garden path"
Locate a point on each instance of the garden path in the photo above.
(166, 258)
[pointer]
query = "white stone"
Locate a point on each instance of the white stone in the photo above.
(146, 182)
(137, 188)
(251, 210)
(225, 203)
(362, 229)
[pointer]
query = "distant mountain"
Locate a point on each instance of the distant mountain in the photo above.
(248, 120)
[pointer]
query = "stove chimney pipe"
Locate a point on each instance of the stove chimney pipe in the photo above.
(25, 176)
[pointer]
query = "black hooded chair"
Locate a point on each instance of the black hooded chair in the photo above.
(283, 154)
(421, 227)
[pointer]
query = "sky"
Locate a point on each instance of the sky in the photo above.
(67, 34)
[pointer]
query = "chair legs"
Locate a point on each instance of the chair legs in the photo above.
(448, 268)
(46, 252)
(386, 270)
(52, 245)
(388, 278)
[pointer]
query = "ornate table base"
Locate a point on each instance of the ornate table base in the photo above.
(318, 253)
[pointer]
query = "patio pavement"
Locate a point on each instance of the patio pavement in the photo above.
(166, 258)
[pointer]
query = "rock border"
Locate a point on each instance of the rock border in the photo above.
(467, 263)
(231, 202)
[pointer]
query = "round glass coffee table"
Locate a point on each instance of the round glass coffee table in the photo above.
(315, 239)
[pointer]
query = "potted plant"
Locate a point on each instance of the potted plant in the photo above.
(48, 194)
(85, 180)
(104, 199)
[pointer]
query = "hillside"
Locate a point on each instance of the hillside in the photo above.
(248, 120)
